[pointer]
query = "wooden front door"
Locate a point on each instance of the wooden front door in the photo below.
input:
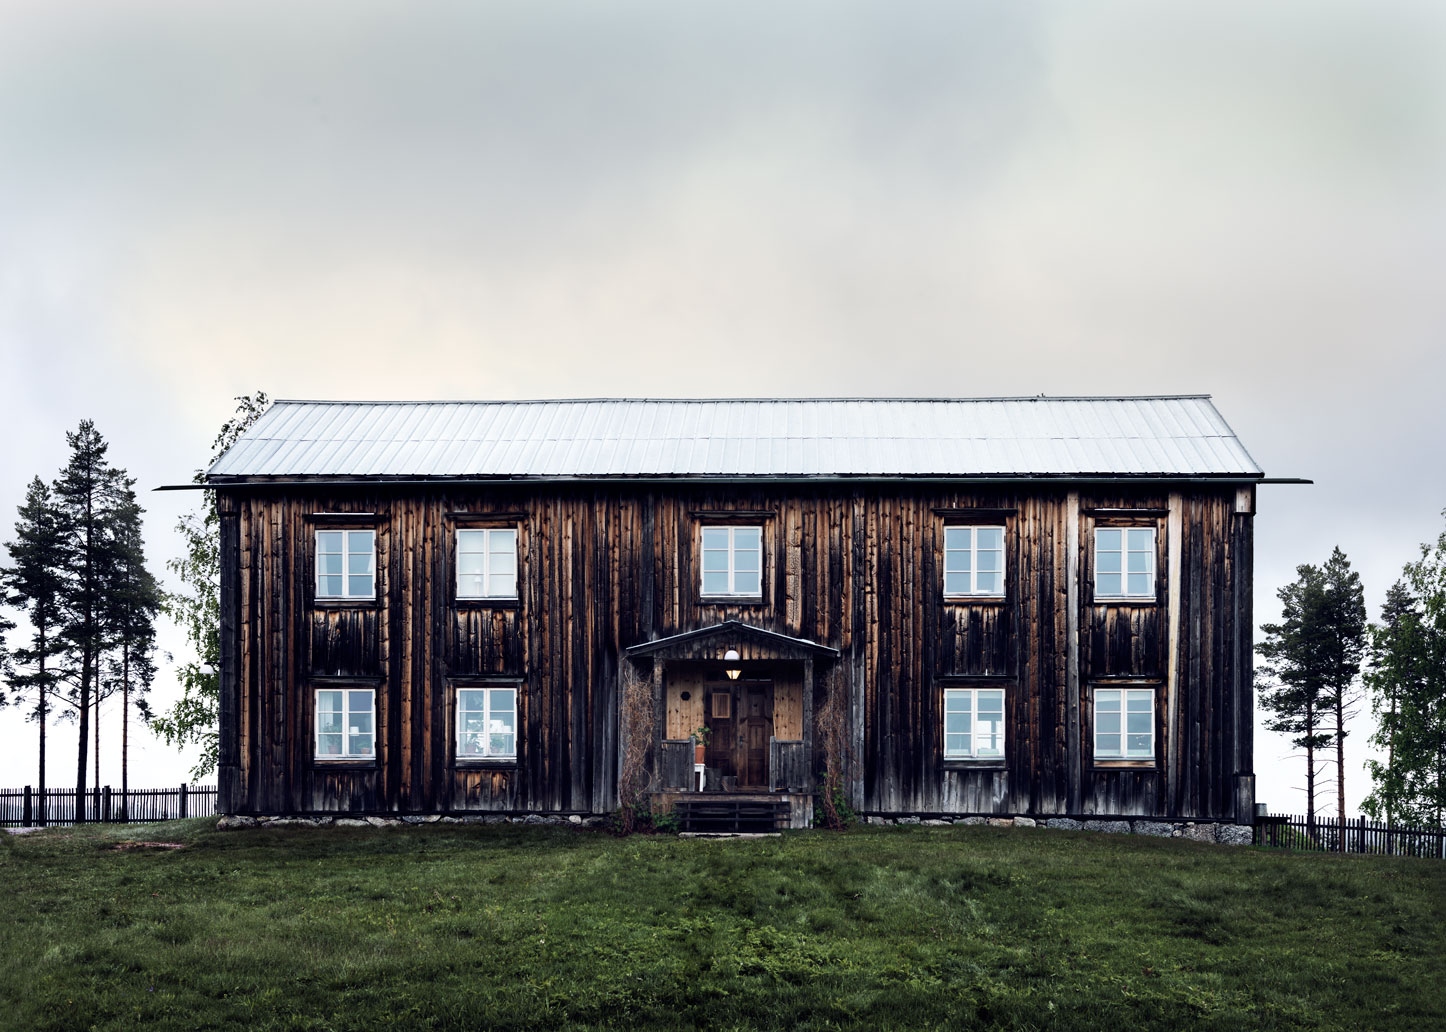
(740, 718)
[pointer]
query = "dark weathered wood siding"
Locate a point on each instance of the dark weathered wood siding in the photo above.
(855, 567)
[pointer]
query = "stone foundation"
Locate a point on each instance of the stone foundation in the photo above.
(1197, 831)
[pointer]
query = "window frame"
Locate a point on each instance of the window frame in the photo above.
(1124, 528)
(346, 757)
(346, 598)
(487, 553)
(732, 595)
(974, 758)
(455, 688)
(1125, 758)
(973, 594)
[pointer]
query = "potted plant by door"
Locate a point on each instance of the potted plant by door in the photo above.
(699, 735)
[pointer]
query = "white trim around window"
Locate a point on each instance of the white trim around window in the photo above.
(1125, 562)
(1125, 724)
(487, 563)
(486, 722)
(345, 724)
(346, 564)
(973, 561)
(973, 723)
(732, 563)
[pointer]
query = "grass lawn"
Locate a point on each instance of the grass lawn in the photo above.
(462, 927)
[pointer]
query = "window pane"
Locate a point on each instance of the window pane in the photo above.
(990, 738)
(957, 537)
(1141, 562)
(748, 583)
(503, 698)
(1107, 699)
(1107, 540)
(503, 541)
(328, 744)
(989, 537)
(1107, 584)
(328, 541)
(987, 583)
(1140, 584)
(1107, 745)
(1138, 723)
(955, 561)
(715, 537)
(1138, 744)
(956, 583)
(469, 586)
(504, 586)
(328, 721)
(360, 745)
(748, 537)
(991, 702)
(1107, 722)
(746, 559)
(504, 563)
(359, 562)
(1142, 540)
(955, 702)
(955, 745)
(503, 745)
(715, 582)
(715, 560)
(1108, 562)
(991, 559)
(359, 700)
(360, 723)
(1139, 701)
(955, 723)
(473, 722)
(471, 541)
(330, 563)
(329, 587)
(470, 562)
(359, 587)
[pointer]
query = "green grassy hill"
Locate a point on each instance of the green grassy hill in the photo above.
(462, 927)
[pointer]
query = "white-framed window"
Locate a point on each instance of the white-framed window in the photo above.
(346, 564)
(973, 723)
(1124, 723)
(733, 561)
(345, 723)
(973, 561)
(1125, 562)
(487, 723)
(487, 563)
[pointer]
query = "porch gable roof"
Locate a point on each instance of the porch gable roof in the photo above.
(693, 644)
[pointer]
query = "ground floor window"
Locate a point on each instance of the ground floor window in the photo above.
(345, 723)
(973, 723)
(1124, 723)
(487, 723)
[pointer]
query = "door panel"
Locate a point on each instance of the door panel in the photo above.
(740, 719)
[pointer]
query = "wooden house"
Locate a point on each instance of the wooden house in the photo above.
(1029, 606)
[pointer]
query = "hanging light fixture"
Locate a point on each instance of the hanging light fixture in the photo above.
(731, 656)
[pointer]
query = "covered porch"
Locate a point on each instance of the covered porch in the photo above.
(733, 724)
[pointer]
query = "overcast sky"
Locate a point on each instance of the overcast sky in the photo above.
(485, 200)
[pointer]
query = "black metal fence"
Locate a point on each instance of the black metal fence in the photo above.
(1331, 835)
(26, 808)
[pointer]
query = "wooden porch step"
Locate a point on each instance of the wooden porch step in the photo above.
(722, 814)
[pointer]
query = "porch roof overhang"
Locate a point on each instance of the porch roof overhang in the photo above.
(765, 644)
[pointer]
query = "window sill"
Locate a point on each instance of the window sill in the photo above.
(344, 763)
(964, 600)
(731, 600)
(345, 603)
(983, 763)
(1125, 600)
(500, 763)
(488, 603)
(1125, 765)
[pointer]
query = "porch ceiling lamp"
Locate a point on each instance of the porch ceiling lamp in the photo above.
(731, 656)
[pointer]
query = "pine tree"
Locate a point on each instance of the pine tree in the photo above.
(1341, 620)
(88, 492)
(35, 583)
(1392, 675)
(1289, 682)
(133, 599)
(197, 608)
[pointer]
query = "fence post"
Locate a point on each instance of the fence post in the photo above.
(105, 814)
(183, 800)
(28, 811)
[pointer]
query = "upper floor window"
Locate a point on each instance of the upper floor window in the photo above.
(344, 723)
(346, 563)
(486, 723)
(733, 561)
(487, 563)
(973, 561)
(1124, 723)
(973, 723)
(1125, 562)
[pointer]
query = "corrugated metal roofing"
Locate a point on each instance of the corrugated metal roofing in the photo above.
(819, 437)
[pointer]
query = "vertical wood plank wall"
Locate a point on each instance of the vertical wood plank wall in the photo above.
(605, 567)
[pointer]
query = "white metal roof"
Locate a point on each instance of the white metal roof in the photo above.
(808, 437)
